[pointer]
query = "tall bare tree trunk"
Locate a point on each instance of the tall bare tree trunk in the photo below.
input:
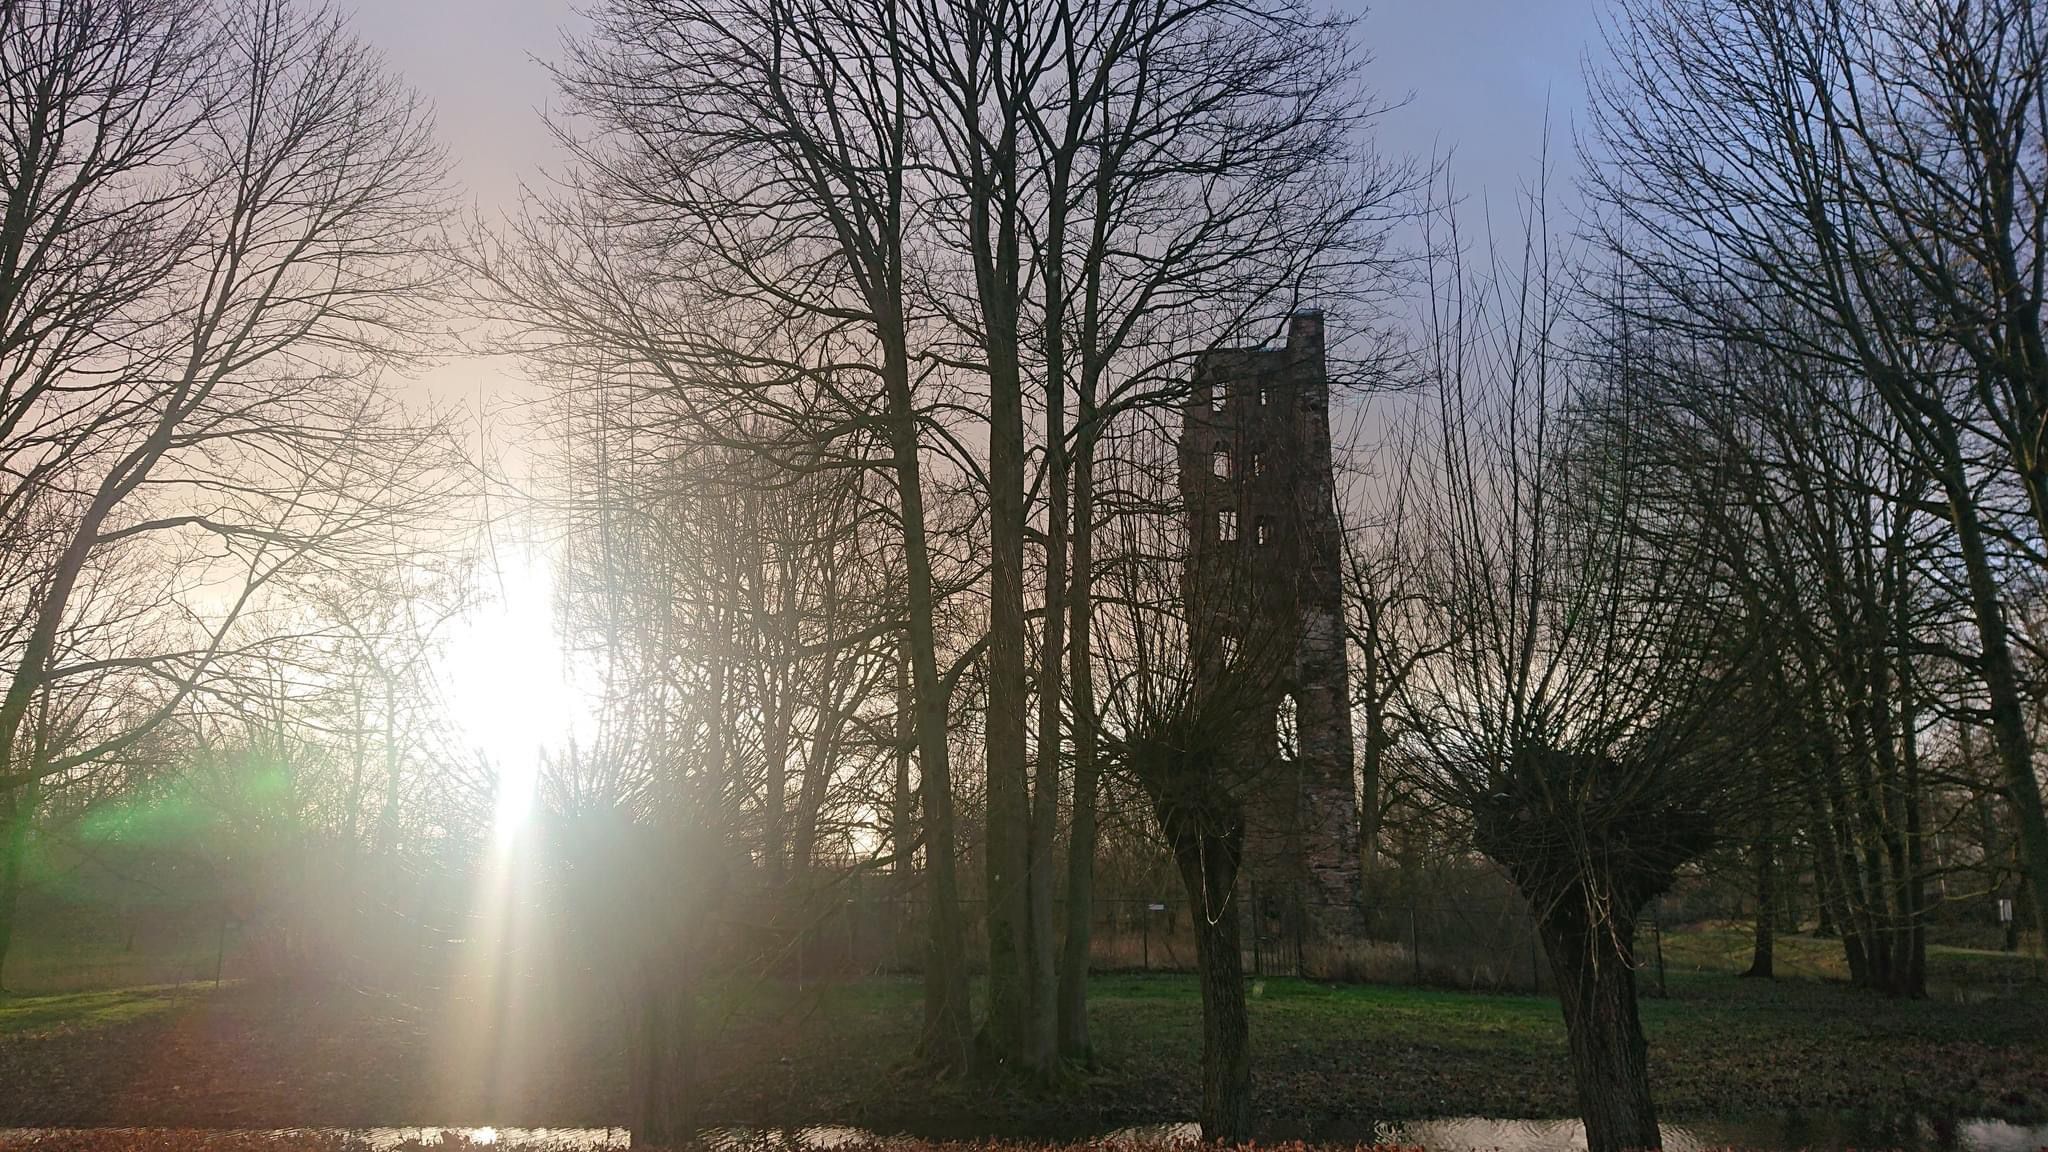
(17, 808)
(1042, 1024)
(903, 802)
(992, 227)
(948, 1040)
(1048, 1012)
(1009, 786)
(1913, 880)
(2001, 680)
(1073, 986)
(1763, 951)
(1372, 762)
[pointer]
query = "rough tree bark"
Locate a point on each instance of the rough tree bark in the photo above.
(1073, 986)
(1588, 866)
(1208, 848)
(1762, 952)
(1594, 962)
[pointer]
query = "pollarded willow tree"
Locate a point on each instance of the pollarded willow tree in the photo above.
(1187, 700)
(1582, 652)
(221, 223)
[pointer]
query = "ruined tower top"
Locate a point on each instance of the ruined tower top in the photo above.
(1257, 479)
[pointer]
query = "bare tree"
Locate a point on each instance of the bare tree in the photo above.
(1184, 701)
(1122, 187)
(1827, 529)
(1380, 587)
(842, 238)
(1589, 649)
(1872, 179)
(739, 239)
(263, 199)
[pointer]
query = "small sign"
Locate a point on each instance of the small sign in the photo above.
(1157, 907)
(2004, 911)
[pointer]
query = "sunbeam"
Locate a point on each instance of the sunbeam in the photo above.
(511, 694)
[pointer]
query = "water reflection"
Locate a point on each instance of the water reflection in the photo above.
(352, 1139)
(1827, 1133)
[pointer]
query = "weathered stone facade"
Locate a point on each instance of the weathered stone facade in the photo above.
(1265, 569)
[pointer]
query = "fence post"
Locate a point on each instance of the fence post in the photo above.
(1414, 939)
(1300, 933)
(1258, 920)
(1657, 927)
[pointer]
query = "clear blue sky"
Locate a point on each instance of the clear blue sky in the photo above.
(1480, 78)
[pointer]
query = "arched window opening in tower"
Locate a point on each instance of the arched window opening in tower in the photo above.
(1219, 462)
(1265, 396)
(1262, 531)
(1226, 526)
(1256, 464)
(1287, 727)
(1216, 399)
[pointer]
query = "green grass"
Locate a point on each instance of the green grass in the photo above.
(1719, 1047)
(73, 948)
(1725, 948)
(843, 1053)
(20, 1014)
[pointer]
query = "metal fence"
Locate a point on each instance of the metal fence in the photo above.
(1483, 944)
(411, 934)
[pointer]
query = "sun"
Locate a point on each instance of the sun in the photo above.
(510, 692)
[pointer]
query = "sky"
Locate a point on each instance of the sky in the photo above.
(1476, 81)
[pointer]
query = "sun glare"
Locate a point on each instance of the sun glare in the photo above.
(509, 690)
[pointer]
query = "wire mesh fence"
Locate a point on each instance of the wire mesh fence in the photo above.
(420, 929)
(411, 933)
(1481, 944)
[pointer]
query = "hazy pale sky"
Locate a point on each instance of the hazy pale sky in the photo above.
(1478, 77)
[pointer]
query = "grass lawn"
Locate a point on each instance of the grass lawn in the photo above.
(1324, 1057)
(88, 1010)
(1726, 948)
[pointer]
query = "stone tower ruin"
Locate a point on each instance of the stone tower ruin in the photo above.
(1265, 568)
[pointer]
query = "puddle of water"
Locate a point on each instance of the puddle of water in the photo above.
(1456, 1134)
(1484, 1134)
